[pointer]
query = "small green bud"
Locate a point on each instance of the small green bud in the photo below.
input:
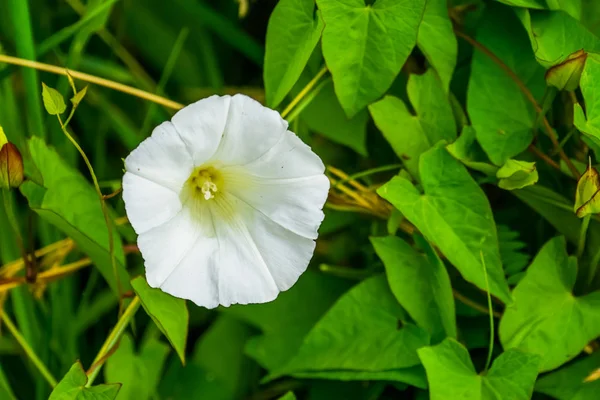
(587, 200)
(11, 166)
(566, 75)
(516, 174)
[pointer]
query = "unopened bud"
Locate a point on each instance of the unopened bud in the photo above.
(587, 200)
(11, 166)
(566, 75)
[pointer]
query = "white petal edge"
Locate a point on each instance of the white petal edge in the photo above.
(148, 204)
(162, 158)
(288, 158)
(201, 126)
(251, 130)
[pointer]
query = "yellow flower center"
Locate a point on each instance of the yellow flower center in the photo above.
(204, 183)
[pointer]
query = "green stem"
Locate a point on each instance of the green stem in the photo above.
(107, 220)
(307, 100)
(112, 339)
(304, 92)
(28, 350)
(582, 235)
(368, 172)
(491, 312)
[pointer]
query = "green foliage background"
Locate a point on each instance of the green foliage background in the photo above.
(451, 263)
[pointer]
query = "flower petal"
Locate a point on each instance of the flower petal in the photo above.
(162, 158)
(251, 131)
(295, 203)
(244, 277)
(289, 158)
(148, 204)
(201, 126)
(195, 277)
(285, 253)
(165, 246)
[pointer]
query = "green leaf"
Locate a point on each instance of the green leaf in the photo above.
(568, 383)
(140, 373)
(72, 387)
(515, 174)
(169, 313)
(288, 396)
(437, 40)
(286, 320)
(589, 124)
(79, 96)
(66, 200)
(467, 151)
(411, 135)
(502, 116)
(554, 35)
(53, 100)
(365, 46)
(451, 374)
(325, 115)
(292, 34)
(455, 215)
(546, 318)
(539, 4)
(420, 283)
(364, 332)
(218, 368)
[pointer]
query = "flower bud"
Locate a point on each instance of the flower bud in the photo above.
(516, 174)
(566, 75)
(11, 166)
(587, 200)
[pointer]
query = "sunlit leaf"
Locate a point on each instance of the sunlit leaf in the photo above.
(293, 32)
(546, 317)
(53, 100)
(366, 45)
(365, 332)
(451, 374)
(421, 284)
(411, 135)
(455, 215)
(437, 40)
(555, 35)
(169, 313)
(66, 200)
(72, 387)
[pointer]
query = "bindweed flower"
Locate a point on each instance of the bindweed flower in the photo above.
(226, 202)
(11, 164)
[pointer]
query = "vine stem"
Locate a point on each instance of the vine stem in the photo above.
(92, 79)
(112, 340)
(28, 350)
(107, 220)
(309, 86)
(525, 90)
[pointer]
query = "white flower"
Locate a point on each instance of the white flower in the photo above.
(226, 202)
